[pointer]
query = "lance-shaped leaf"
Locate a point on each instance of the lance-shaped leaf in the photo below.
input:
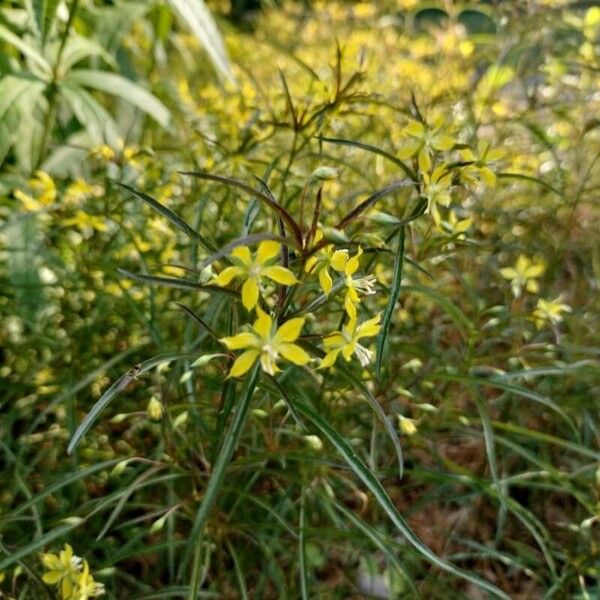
(113, 391)
(117, 85)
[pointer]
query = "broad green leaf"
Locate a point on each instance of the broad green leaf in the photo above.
(113, 391)
(44, 12)
(15, 87)
(91, 114)
(117, 85)
(25, 48)
(197, 16)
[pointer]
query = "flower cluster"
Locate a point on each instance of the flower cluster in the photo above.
(71, 575)
(266, 341)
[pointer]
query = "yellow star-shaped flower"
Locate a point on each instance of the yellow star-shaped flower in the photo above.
(253, 269)
(267, 343)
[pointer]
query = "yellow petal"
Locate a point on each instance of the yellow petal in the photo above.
(310, 263)
(339, 259)
(488, 176)
(243, 363)
(369, 328)
(424, 160)
(226, 275)
(415, 128)
(263, 324)
(508, 273)
(241, 340)
(266, 251)
(280, 275)
(348, 350)
(408, 149)
(51, 561)
(329, 359)
(51, 577)
(353, 263)
(334, 340)
(442, 142)
(535, 270)
(293, 353)
(250, 293)
(350, 308)
(242, 253)
(325, 280)
(290, 330)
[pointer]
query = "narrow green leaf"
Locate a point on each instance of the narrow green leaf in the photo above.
(213, 487)
(25, 48)
(114, 390)
(385, 502)
(302, 549)
(117, 85)
(197, 16)
(39, 544)
(174, 219)
(390, 308)
(285, 215)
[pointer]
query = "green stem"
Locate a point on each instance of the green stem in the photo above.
(52, 88)
(230, 442)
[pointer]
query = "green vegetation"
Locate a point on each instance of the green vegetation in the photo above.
(299, 299)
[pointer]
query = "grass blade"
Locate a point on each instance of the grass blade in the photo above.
(171, 217)
(113, 391)
(386, 503)
(230, 442)
(391, 305)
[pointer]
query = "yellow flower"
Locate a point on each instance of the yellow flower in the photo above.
(524, 274)
(436, 188)
(549, 311)
(267, 343)
(354, 287)
(87, 586)
(103, 152)
(424, 139)
(479, 169)
(457, 227)
(347, 341)
(325, 259)
(44, 190)
(80, 190)
(253, 269)
(63, 570)
(44, 187)
(83, 221)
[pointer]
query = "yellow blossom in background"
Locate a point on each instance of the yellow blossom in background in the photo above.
(524, 275)
(423, 140)
(437, 191)
(253, 269)
(43, 189)
(356, 287)
(103, 152)
(85, 221)
(479, 169)
(549, 311)
(407, 426)
(322, 261)
(347, 341)
(267, 343)
(80, 190)
(455, 226)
